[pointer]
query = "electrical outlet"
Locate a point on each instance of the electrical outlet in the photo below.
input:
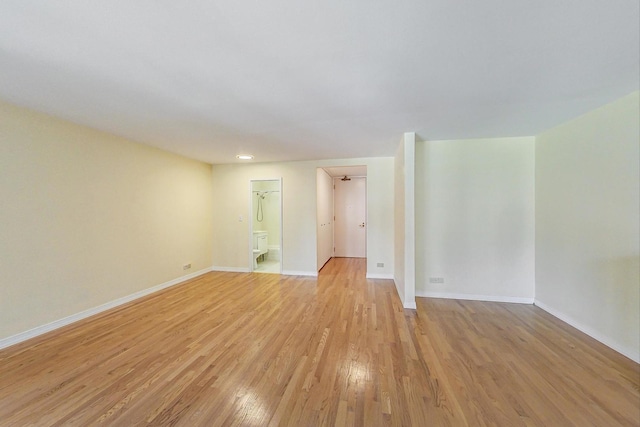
(436, 279)
(186, 266)
(380, 264)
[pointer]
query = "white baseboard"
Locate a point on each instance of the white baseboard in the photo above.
(231, 269)
(627, 352)
(410, 305)
(399, 291)
(379, 276)
(470, 297)
(284, 272)
(299, 273)
(39, 330)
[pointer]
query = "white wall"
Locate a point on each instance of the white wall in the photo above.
(379, 216)
(87, 218)
(587, 231)
(398, 221)
(299, 252)
(475, 219)
(404, 220)
(324, 212)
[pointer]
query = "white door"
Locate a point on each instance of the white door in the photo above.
(349, 207)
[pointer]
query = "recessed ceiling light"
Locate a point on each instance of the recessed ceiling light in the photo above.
(244, 157)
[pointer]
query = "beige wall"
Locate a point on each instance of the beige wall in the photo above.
(299, 189)
(587, 223)
(87, 218)
(475, 219)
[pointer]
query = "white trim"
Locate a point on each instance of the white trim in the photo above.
(299, 273)
(411, 305)
(627, 352)
(410, 216)
(379, 276)
(470, 297)
(231, 269)
(399, 290)
(43, 329)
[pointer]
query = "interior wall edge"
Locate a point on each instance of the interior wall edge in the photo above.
(399, 290)
(231, 269)
(65, 321)
(472, 297)
(379, 276)
(300, 273)
(612, 344)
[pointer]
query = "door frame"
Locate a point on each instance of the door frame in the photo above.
(366, 213)
(250, 216)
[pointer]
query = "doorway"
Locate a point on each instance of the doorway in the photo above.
(266, 226)
(341, 225)
(349, 204)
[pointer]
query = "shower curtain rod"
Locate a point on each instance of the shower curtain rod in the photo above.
(266, 191)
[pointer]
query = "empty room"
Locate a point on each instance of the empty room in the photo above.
(420, 213)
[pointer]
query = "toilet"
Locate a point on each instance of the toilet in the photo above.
(260, 246)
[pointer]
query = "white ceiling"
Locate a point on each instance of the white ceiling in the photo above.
(293, 80)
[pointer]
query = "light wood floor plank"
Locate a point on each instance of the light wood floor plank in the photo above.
(228, 349)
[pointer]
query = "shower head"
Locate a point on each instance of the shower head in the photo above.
(346, 178)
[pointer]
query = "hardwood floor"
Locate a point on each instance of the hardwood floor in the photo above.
(266, 350)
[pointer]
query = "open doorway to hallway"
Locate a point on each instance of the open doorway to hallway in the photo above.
(341, 223)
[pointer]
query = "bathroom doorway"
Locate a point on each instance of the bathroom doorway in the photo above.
(266, 226)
